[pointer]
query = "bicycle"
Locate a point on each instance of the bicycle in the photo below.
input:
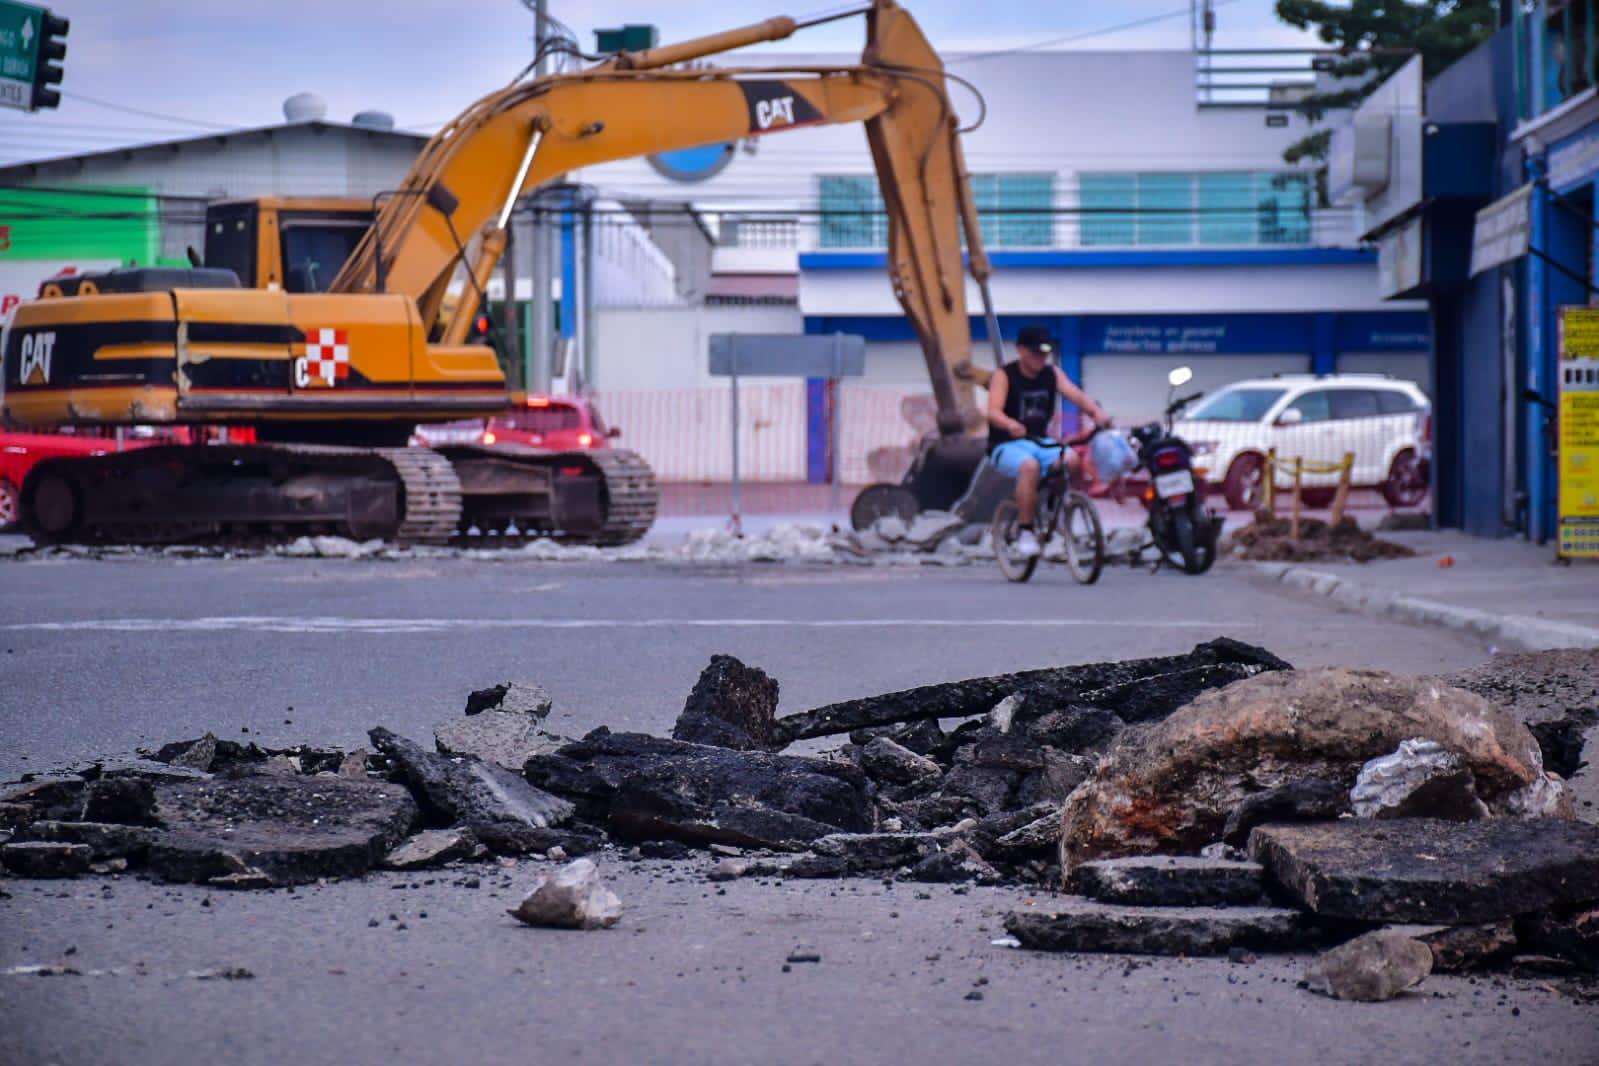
(1062, 505)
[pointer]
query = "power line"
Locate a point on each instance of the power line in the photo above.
(1148, 20)
(95, 101)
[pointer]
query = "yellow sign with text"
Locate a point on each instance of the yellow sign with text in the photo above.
(1578, 521)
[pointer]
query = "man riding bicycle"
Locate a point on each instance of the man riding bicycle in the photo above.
(1021, 403)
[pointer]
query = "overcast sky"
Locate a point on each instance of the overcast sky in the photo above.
(198, 65)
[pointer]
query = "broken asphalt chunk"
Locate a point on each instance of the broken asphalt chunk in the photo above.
(512, 697)
(650, 787)
(1169, 881)
(1422, 779)
(105, 840)
(1083, 925)
(1430, 871)
(732, 706)
(1309, 800)
(1043, 690)
(36, 858)
(431, 847)
(499, 737)
(276, 828)
(502, 810)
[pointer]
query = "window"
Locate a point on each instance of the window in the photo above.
(1394, 402)
(1353, 403)
(1236, 405)
(550, 419)
(1014, 210)
(314, 252)
(1224, 208)
(1313, 406)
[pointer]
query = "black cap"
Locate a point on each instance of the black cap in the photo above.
(1037, 338)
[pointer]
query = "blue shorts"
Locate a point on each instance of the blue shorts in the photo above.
(1008, 457)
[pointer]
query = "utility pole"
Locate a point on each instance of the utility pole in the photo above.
(541, 33)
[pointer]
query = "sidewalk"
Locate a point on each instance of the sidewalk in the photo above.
(1510, 593)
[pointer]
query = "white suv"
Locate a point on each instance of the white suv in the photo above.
(1385, 422)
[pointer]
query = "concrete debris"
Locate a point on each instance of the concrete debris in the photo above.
(1547, 797)
(1169, 881)
(1422, 779)
(275, 829)
(930, 528)
(731, 706)
(957, 861)
(1003, 716)
(890, 528)
(1432, 871)
(1043, 690)
(355, 765)
(1568, 933)
(1309, 800)
(1171, 788)
(501, 809)
(1555, 692)
(570, 898)
(1083, 925)
(431, 847)
(36, 858)
(1371, 968)
(55, 796)
(199, 755)
(504, 738)
(648, 787)
(512, 697)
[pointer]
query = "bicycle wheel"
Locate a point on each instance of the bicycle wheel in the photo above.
(1085, 538)
(1003, 531)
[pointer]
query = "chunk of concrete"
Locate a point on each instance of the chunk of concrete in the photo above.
(1570, 933)
(512, 697)
(954, 863)
(43, 859)
(1422, 779)
(930, 528)
(288, 829)
(499, 737)
(1431, 871)
(354, 765)
(1084, 925)
(570, 898)
(53, 796)
(199, 755)
(731, 706)
(1080, 730)
(1169, 881)
(1171, 787)
(1371, 968)
(431, 847)
(1044, 690)
(1309, 800)
(503, 811)
(650, 787)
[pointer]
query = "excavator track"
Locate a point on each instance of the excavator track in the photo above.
(514, 492)
(251, 494)
(631, 492)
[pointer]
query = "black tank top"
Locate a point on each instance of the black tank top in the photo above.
(1031, 401)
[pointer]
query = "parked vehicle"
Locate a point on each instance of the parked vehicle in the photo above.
(1181, 529)
(556, 423)
(20, 451)
(1385, 422)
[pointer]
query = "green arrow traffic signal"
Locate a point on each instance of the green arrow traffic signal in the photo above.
(47, 69)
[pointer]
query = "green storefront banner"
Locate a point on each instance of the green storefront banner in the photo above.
(90, 223)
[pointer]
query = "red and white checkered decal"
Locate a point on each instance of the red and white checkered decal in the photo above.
(327, 355)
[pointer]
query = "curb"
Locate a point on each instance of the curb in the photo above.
(1509, 631)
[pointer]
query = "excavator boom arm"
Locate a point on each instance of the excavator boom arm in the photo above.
(466, 179)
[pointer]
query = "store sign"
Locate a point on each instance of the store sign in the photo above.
(1399, 259)
(1503, 231)
(1572, 162)
(1577, 523)
(1246, 334)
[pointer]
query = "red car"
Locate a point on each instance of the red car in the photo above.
(559, 424)
(19, 451)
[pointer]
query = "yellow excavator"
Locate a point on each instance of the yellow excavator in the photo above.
(334, 331)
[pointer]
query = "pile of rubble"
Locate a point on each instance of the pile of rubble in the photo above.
(1269, 538)
(1216, 801)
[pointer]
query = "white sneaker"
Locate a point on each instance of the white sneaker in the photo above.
(1027, 545)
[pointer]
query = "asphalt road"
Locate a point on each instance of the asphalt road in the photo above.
(104, 656)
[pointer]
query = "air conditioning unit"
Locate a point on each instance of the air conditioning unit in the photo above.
(1359, 158)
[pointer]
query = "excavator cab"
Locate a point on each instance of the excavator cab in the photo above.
(298, 245)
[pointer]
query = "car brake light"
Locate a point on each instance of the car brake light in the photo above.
(570, 471)
(585, 439)
(489, 438)
(538, 401)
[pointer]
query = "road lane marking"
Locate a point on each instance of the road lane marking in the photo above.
(335, 624)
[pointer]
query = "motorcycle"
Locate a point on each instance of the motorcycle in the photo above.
(1182, 530)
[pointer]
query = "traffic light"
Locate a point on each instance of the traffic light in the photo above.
(47, 67)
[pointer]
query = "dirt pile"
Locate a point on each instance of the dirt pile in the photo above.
(1269, 539)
